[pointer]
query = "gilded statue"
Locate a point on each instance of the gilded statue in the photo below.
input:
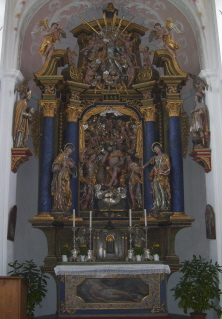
(23, 117)
(163, 33)
(63, 167)
(52, 34)
(159, 176)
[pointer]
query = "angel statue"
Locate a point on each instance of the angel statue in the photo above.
(51, 36)
(164, 34)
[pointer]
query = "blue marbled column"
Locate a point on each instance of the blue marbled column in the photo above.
(45, 165)
(72, 136)
(149, 139)
(177, 191)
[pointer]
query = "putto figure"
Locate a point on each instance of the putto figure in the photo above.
(159, 177)
(163, 33)
(23, 117)
(63, 168)
(52, 35)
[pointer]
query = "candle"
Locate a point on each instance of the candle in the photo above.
(74, 219)
(145, 218)
(130, 218)
(90, 219)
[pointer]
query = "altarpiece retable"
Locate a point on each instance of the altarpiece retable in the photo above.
(113, 136)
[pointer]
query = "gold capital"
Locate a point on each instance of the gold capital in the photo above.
(149, 113)
(49, 108)
(73, 113)
(174, 107)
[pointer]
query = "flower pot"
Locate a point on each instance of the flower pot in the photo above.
(138, 258)
(156, 257)
(82, 258)
(64, 258)
(197, 316)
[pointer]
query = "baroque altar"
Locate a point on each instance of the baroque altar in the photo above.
(112, 140)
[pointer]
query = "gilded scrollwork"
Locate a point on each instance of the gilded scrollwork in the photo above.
(174, 107)
(50, 89)
(160, 309)
(172, 89)
(147, 95)
(76, 74)
(144, 74)
(49, 108)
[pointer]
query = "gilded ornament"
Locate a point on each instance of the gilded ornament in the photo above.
(147, 95)
(76, 74)
(144, 74)
(149, 113)
(49, 108)
(172, 89)
(50, 89)
(73, 113)
(174, 107)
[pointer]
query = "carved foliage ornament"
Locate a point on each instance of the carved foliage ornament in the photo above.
(174, 107)
(73, 113)
(149, 113)
(49, 108)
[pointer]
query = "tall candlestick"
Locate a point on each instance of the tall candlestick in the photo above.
(74, 219)
(130, 218)
(145, 218)
(90, 219)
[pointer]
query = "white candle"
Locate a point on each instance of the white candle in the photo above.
(130, 218)
(90, 219)
(145, 218)
(74, 219)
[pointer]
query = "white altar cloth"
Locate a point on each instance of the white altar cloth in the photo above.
(125, 269)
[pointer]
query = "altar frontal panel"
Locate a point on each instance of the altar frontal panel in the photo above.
(112, 294)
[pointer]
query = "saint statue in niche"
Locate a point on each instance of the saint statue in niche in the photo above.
(63, 168)
(159, 176)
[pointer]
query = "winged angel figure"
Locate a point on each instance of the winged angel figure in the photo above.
(163, 33)
(52, 35)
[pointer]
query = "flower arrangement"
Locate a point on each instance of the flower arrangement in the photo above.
(156, 249)
(138, 250)
(83, 251)
(66, 250)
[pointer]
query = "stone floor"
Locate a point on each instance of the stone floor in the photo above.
(172, 316)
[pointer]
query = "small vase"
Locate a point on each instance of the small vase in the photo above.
(82, 258)
(197, 316)
(138, 258)
(156, 257)
(64, 258)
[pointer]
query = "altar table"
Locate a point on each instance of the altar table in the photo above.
(112, 289)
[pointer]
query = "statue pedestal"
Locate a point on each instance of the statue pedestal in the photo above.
(101, 289)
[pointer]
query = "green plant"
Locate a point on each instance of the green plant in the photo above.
(155, 249)
(66, 250)
(83, 251)
(138, 250)
(198, 287)
(35, 279)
